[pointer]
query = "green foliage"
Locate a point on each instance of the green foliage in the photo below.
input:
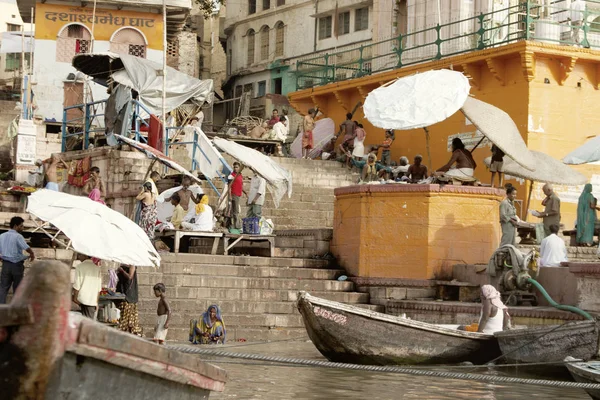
(208, 7)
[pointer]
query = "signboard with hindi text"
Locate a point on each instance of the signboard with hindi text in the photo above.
(26, 142)
(51, 18)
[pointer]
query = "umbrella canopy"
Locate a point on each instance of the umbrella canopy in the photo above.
(547, 170)
(151, 152)
(500, 128)
(94, 229)
(589, 152)
(279, 180)
(146, 78)
(417, 101)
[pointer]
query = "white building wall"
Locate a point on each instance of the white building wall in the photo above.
(49, 76)
(9, 14)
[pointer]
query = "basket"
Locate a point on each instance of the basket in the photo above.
(251, 225)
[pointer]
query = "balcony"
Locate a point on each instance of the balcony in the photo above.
(528, 20)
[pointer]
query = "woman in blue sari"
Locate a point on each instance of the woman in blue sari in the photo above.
(586, 217)
(210, 329)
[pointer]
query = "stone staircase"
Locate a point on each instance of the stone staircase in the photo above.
(256, 294)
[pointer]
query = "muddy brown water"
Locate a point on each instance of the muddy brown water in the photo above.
(255, 380)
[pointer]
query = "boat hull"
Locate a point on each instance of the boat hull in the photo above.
(549, 343)
(81, 377)
(344, 333)
(586, 372)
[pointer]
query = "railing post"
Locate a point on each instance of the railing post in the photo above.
(326, 56)
(137, 121)
(86, 127)
(297, 75)
(527, 19)
(64, 132)
(399, 51)
(167, 143)
(438, 42)
(585, 29)
(480, 33)
(360, 61)
(195, 144)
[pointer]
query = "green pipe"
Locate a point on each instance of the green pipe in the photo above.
(555, 304)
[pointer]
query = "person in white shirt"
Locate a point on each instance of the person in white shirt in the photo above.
(87, 286)
(576, 16)
(553, 250)
(203, 219)
(256, 196)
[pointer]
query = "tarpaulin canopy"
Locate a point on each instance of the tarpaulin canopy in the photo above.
(145, 77)
(417, 101)
(589, 152)
(279, 180)
(12, 42)
(93, 228)
(209, 161)
(151, 152)
(499, 128)
(323, 132)
(547, 170)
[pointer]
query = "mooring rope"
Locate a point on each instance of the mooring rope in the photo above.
(390, 369)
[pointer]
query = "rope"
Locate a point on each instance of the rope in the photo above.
(391, 369)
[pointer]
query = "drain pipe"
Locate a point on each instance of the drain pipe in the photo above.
(555, 304)
(317, 24)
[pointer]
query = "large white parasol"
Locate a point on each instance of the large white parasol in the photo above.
(93, 228)
(589, 152)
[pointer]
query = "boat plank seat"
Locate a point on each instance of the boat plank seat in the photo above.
(238, 238)
(178, 235)
(457, 291)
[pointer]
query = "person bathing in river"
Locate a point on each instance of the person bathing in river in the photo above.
(210, 329)
(465, 164)
(494, 314)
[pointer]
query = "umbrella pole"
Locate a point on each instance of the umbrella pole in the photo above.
(428, 150)
(528, 200)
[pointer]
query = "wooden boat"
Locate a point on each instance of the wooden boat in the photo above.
(48, 352)
(551, 343)
(586, 372)
(346, 333)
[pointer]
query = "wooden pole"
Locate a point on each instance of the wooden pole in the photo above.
(528, 200)
(428, 150)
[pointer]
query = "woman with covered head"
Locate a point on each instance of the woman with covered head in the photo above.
(586, 217)
(210, 329)
(494, 314)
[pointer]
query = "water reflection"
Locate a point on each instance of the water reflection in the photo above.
(253, 380)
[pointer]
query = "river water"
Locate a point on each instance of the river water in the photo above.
(255, 380)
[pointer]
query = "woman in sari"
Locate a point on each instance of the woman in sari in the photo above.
(148, 214)
(210, 329)
(96, 195)
(128, 285)
(586, 217)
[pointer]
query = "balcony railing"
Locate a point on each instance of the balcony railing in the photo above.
(528, 20)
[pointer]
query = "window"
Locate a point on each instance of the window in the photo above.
(325, 27)
(248, 88)
(128, 41)
(262, 88)
(343, 23)
(13, 61)
(250, 47)
(281, 2)
(251, 6)
(279, 39)
(72, 40)
(361, 21)
(13, 27)
(264, 43)
(266, 4)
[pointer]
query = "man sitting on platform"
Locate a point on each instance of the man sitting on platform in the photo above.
(203, 219)
(553, 250)
(465, 164)
(417, 172)
(274, 118)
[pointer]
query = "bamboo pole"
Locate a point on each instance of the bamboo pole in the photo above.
(428, 149)
(164, 79)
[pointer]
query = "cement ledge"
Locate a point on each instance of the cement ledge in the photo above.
(417, 188)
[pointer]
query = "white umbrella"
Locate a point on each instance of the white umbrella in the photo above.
(93, 228)
(417, 101)
(589, 152)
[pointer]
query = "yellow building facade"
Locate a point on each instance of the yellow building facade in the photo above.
(549, 90)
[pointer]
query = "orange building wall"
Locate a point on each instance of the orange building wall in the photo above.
(413, 231)
(554, 117)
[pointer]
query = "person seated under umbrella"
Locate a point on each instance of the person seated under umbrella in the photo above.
(203, 219)
(465, 164)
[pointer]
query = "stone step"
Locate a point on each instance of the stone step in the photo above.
(245, 271)
(202, 282)
(254, 294)
(255, 249)
(201, 259)
(249, 334)
(190, 306)
(179, 320)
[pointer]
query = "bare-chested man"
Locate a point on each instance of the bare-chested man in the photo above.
(94, 182)
(347, 128)
(417, 172)
(185, 194)
(465, 165)
(51, 171)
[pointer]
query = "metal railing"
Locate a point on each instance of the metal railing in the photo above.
(528, 20)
